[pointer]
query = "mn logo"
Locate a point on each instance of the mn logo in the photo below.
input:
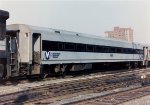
(47, 54)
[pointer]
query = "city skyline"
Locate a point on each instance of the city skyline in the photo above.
(83, 16)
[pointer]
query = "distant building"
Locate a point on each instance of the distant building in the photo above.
(121, 33)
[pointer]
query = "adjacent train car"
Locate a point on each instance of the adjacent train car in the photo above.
(3, 57)
(37, 50)
(4, 15)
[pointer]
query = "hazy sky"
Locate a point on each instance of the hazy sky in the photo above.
(84, 16)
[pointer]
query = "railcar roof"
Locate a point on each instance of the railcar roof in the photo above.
(31, 28)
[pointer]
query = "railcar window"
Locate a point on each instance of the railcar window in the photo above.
(119, 50)
(132, 51)
(129, 51)
(69, 46)
(112, 50)
(89, 48)
(126, 51)
(80, 47)
(44, 45)
(49, 46)
(106, 49)
(60, 46)
(136, 51)
(53, 46)
(99, 49)
(122, 50)
(140, 51)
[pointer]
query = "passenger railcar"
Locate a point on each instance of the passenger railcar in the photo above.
(37, 50)
(29, 50)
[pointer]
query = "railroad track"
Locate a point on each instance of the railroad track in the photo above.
(55, 90)
(20, 85)
(21, 80)
(93, 84)
(115, 99)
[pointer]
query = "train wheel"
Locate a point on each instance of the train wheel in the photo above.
(1, 71)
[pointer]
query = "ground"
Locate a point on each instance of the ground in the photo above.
(139, 101)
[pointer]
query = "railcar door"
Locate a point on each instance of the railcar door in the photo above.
(36, 53)
(145, 60)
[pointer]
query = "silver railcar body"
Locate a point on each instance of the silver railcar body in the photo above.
(32, 51)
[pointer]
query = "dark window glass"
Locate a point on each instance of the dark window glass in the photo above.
(44, 46)
(77, 47)
(69, 46)
(89, 48)
(141, 51)
(60, 46)
(53, 46)
(80, 47)
(138, 51)
(49, 46)
(112, 50)
(129, 51)
(99, 49)
(125, 50)
(119, 50)
(106, 49)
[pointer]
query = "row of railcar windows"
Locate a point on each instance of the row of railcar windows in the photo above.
(78, 47)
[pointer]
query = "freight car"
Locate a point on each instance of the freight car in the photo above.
(34, 50)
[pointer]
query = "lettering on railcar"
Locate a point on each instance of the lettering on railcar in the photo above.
(49, 55)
